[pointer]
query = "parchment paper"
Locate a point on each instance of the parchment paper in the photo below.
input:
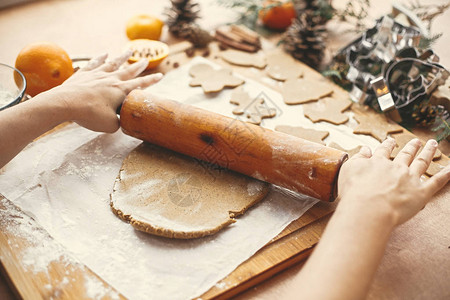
(64, 181)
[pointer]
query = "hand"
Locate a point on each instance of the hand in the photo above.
(93, 94)
(375, 183)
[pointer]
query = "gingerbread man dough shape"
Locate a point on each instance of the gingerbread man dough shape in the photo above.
(254, 109)
(212, 80)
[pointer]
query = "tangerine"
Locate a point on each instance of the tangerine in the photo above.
(144, 27)
(277, 14)
(44, 65)
(154, 51)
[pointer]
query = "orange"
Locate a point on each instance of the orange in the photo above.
(144, 27)
(44, 65)
(279, 16)
(154, 51)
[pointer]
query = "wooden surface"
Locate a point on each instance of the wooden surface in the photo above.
(64, 278)
(75, 25)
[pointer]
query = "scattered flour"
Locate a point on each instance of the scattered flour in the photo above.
(221, 285)
(43, 250)
(6, 97)
(254, 187)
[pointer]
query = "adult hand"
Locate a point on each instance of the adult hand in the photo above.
(93, 94)
(374, 182)
(376, 194)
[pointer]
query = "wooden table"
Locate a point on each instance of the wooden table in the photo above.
(417, 261)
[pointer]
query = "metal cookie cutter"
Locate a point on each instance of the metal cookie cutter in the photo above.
(385, 100)
(411, 81)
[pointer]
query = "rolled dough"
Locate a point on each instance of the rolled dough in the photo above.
(165, 193)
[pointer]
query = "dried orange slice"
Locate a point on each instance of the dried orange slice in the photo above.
(154, 51)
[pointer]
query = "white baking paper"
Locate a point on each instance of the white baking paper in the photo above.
(64, 181)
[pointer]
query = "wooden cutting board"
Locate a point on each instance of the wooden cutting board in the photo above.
(25, 249)
(66, 278)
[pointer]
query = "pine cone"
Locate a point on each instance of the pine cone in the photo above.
(304, 39)
(197, 36)
(425, 115)
(181, 12)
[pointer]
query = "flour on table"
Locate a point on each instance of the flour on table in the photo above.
(42, 250)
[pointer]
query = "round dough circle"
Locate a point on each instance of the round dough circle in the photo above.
(165, 193)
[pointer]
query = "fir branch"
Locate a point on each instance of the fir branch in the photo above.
(426, 43)
(442, 128)
(249, 10)
(332, 73)
(428, 12)
(241, 3)
(355, 13)
(325, 10)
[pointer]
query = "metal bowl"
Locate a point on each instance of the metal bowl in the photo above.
(12, 86)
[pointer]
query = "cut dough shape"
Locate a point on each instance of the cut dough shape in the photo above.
(375, 125)
(402, 139)
(299, 91)
(311, 135)
(165, 193)
(327, 109)
(350, 152)
(212, 80)
(441, 95)
(244, 59)
(434, 168)
(254, 109)
(282, 67)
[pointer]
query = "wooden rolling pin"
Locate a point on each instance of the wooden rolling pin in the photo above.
(267, 155)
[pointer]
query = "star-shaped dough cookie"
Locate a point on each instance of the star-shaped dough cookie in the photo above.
(282, 67)
(403, 138)
(350, 152)
(244, 59)
(212, 80)
(255, 109)
(374, 124)
(311, 135)
(299, 91)
(327, 109)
